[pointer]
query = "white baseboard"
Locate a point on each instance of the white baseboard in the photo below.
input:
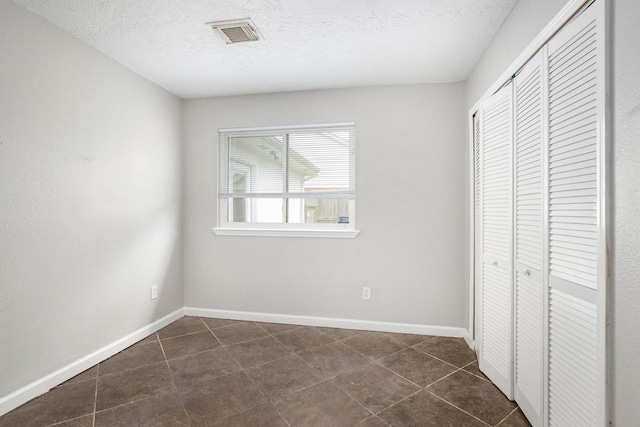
(407, 328)
(43, 385)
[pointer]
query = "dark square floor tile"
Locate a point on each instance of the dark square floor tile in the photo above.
(478, 397)
(276, 328)
(374, 345)
(423, 409)
(321, 405)
(133, 357)
(475, 370)
(304, 338)
(283, 376)
(417, 366)
(411, 339)
(134, 384)
(86, 421)
(264, 415)
(182, 326)
(340, 334)
(239, 332)
(255, 352)
(375, 387)
(333, 359)
(162, 411)
(451, 350)
(515, 419)
(60, 404)
(189, 344)
(211, 401)
(205, 366)
(89, 374)
(214, 323)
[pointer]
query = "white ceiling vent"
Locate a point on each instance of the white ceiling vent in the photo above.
(237, 31)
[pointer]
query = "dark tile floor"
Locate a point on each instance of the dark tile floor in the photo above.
(214, 372)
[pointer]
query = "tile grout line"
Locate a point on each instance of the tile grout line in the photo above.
(446, 376)
(460, 409)
(174, 336)
(397, 403)
(437, 358)
(95, 396)
(289, 348)
(377, 362)
(390, 335)
(120, 405)
(173, 381)
(477, 376)
(134, 368)
(508, 415)
(467, 372)
(352, 397)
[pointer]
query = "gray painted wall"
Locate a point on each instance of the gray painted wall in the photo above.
(90, 199)
(526, 20)
(410, 207)
(625, 285)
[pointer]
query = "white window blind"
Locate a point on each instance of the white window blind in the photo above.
(287, 177)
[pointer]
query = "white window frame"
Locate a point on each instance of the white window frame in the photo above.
(228, 228)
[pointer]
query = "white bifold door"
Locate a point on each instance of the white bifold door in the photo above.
(577, 199)
(529, 138)
(540, 159)
(495, 308)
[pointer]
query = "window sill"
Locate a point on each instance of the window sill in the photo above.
(331, 234)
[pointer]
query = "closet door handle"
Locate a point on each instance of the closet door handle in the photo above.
(527, 272)
(494, 263)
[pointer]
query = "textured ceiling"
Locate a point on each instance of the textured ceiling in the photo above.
(308, 44)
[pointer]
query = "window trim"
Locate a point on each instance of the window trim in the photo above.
(289, 232)
(315, 230)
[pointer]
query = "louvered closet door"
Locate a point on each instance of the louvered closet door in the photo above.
(495, 352)
(577, 247)
(529, 332)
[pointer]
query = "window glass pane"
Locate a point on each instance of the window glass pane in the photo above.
(318, 211)
(319, 161)
(261, 157)
(256, 210)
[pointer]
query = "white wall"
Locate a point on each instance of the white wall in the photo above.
(526, 20)
(626, 207)
(90, 199)
(410, 207)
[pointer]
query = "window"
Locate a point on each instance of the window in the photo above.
(295, 181)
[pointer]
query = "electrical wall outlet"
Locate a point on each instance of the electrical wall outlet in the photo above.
(366, 293)
(154, 292)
